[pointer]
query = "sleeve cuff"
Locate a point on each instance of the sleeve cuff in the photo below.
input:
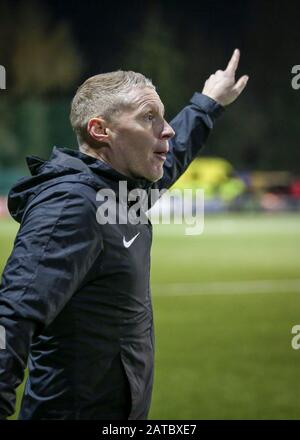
(207, 104)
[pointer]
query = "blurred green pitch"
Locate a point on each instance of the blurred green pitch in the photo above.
(224, 305)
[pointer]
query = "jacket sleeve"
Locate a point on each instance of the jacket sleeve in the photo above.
(192, 126)
(56, 245)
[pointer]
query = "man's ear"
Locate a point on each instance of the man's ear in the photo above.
(97, 129)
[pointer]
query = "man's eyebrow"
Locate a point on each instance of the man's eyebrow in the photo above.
(154, 106)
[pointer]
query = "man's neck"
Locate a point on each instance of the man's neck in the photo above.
(103, 155)
(97, 154)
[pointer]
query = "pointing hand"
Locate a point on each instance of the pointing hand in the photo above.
(222, 87)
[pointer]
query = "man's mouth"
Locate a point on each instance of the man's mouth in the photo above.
(161, 155)
(161, 152)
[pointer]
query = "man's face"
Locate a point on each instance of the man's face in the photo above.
(139, 136)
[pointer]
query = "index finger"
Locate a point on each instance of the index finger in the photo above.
(233, 62)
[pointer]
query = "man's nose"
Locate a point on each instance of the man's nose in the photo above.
(168, 131)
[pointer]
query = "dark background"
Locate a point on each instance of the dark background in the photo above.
(49, 47)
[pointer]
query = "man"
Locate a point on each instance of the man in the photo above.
(75, 293)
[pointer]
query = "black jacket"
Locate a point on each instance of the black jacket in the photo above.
(72, 296)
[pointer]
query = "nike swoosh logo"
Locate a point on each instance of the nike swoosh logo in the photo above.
(127, 244)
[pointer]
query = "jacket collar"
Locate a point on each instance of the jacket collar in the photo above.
(62, 156)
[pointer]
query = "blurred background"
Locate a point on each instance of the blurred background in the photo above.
(224, 302)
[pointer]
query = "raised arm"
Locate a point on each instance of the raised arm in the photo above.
(194, 123)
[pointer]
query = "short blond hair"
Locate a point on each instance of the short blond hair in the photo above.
(103, 95)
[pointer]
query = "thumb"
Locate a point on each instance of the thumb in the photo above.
(241, 84)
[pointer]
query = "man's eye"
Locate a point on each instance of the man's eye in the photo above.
(149, 117)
